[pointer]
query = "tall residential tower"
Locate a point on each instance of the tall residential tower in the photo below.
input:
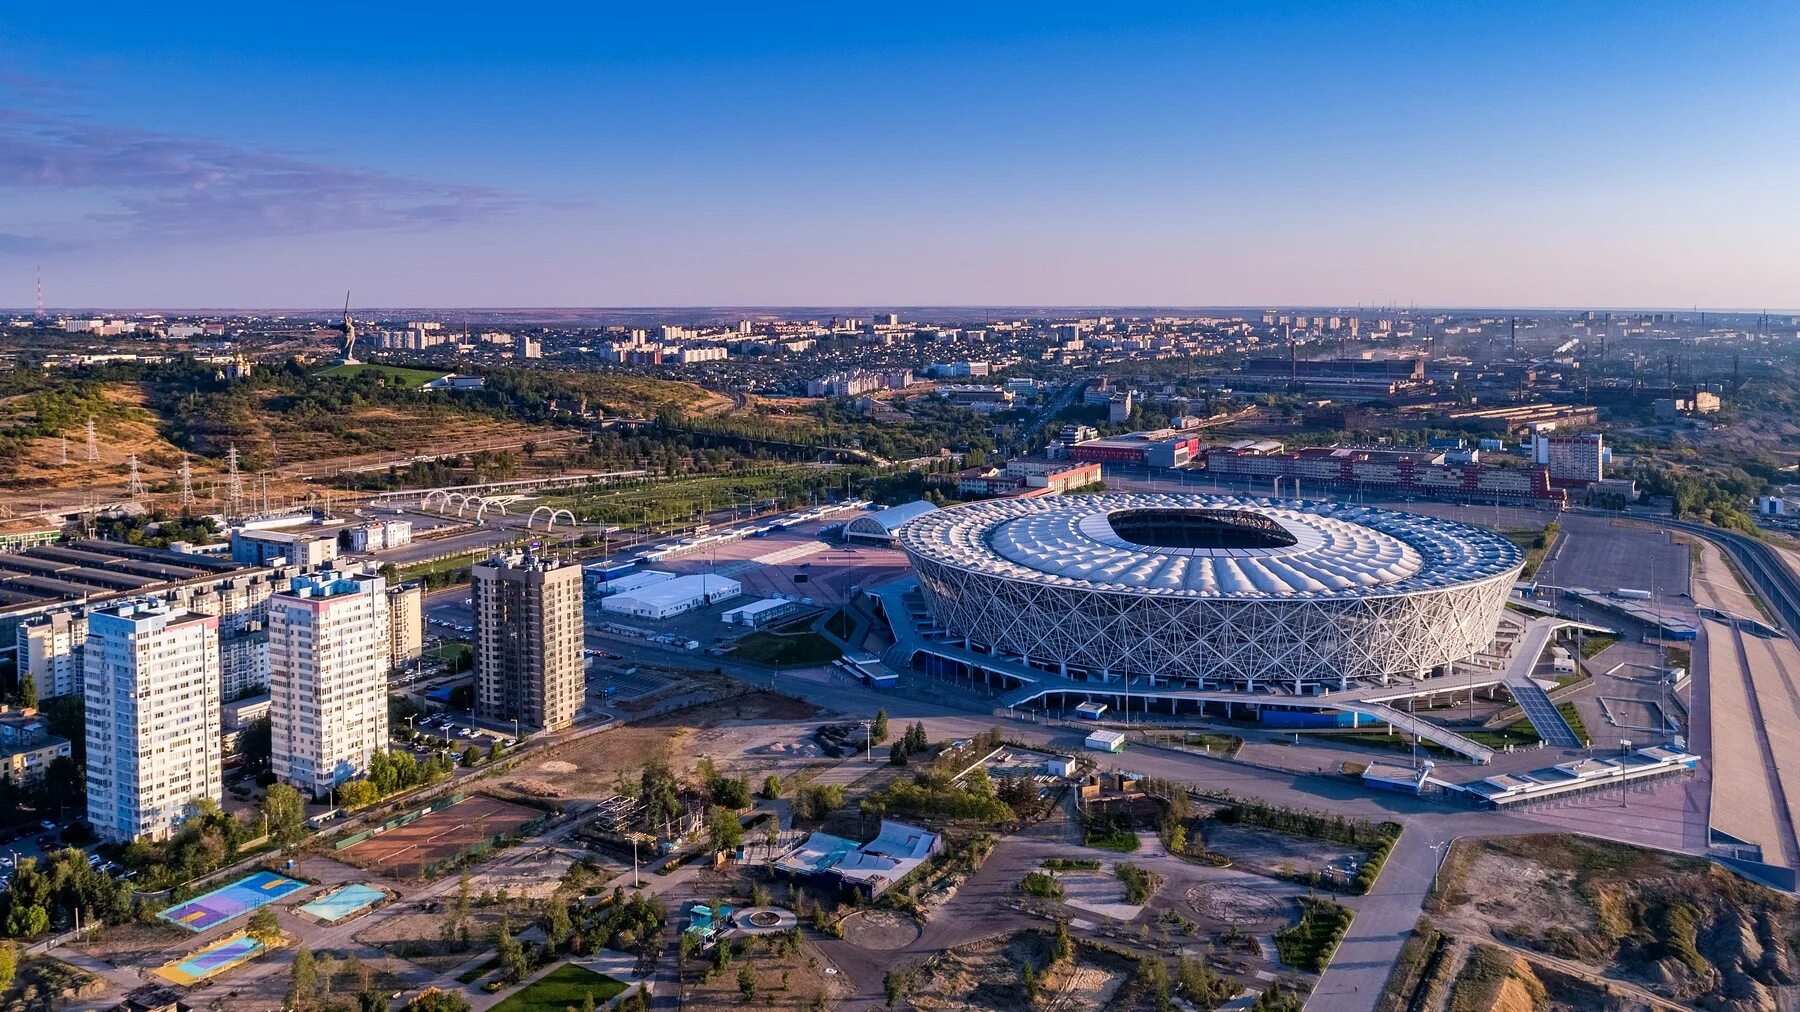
(151, 674)
(328, 678)
(528, 634)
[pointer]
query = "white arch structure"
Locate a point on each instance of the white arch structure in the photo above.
(550, 515)
(463, 500)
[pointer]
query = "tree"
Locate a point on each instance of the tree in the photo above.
(771, 788)
(456, 922)
(471, 755)
(514, 967)
(303, 981)
(746, 981)
(1028, 980)
(355, 794)
(1064, 949)
(433, 1000)
(9, 966)
(496, 750)
(285, 813)
(556, 925)
(28, 693)
(587, 1001)
(265, 927)
(1153, 980)
(879, 731)
(726, 831)
(256, 742)
(1178, 839)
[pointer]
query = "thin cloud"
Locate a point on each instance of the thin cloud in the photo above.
(172, 187)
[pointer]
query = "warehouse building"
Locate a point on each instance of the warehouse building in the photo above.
(668, 598)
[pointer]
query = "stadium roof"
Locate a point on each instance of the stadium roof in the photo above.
(885, 522)
(1224, 547)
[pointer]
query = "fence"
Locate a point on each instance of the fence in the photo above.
(398, 821)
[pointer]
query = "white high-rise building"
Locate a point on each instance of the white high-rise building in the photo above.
(49, 650)
(151, 675)
(328, 674)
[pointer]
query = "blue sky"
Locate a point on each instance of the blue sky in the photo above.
(1566, 154)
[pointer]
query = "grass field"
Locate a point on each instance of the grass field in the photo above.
(392, 373)
(1309, 943)
(806, 648)
(563, 988)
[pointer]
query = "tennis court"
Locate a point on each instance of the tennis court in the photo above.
(343, 903)
(234, 900)
(211, 961)
(441, 836)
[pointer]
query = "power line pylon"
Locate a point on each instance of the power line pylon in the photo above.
(136, 485)
(93, 444)
(234, 481)
(187, 483)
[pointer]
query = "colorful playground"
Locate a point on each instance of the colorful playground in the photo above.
(234, 900)
(212, 960)
(343, 903)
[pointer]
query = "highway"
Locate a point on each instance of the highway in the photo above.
(1759, 564)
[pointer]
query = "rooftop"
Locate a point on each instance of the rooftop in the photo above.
(1209, 546)
(90, 568)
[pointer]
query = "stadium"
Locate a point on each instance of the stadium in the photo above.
(1203, 593)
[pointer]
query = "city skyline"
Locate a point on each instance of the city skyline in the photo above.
(1292, 155)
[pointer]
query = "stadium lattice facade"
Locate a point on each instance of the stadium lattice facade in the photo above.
(1212, 592)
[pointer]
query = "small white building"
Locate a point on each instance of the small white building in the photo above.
(1060, 766)
(378, 535)
(757, 614)
(1106, 741)
(669, 598)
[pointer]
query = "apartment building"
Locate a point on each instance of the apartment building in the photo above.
(329, 658)
(49, 652)
(528, 634)
(151, 677)
(406, 624)
(27, 748)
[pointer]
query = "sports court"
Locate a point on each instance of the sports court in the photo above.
(234, 900)
(343, 903)
(442, 835)
(215, 959)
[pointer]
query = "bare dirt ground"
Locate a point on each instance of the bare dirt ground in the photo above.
(417, 937)
(1681, 927)
(880, 929)
(1244, 904)
(986, 975)
(1264, 852)
(725, 731)
(136, 944)
(795, 981)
